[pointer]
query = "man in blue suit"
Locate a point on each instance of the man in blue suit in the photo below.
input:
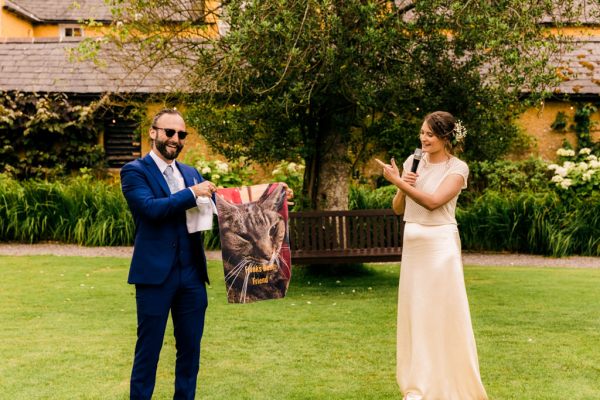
(168, 266)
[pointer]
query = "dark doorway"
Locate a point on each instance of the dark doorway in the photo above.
(121, 140)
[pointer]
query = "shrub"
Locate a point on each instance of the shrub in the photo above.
(506, 177)
(578, 175)
(528, 222)
(44, 136)
(364, 197)
(234, 173)
(79, 210)
(292, 174)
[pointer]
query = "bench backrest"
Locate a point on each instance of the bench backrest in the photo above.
(345, 230)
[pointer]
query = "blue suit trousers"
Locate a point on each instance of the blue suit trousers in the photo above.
(183, 294)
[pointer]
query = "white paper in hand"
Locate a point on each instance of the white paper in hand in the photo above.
(200, 218)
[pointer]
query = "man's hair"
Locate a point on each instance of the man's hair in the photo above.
(163, 112)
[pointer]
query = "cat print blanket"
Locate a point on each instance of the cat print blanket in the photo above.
(254, 242)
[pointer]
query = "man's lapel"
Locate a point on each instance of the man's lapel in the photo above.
(188, 176)
(154, 172)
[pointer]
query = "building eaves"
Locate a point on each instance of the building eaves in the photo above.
(20, 11)
(61, 11)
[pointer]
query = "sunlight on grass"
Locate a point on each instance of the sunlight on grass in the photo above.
(68, 332)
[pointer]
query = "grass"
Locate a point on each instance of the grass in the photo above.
(68, 332)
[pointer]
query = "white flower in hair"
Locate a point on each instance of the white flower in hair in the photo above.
(460, 132)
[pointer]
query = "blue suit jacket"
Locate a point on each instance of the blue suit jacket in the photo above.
(158, 217)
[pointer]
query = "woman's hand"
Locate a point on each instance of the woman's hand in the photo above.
(390, 171)
(392, 174)
(410, 178)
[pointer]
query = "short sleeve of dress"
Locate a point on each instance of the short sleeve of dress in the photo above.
(461, 168)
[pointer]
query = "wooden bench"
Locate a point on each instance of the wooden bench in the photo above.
(325, 237)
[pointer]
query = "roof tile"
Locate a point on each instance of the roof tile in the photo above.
(46, 67)
(65, 10)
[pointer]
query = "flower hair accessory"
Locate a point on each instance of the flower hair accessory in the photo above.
(459, 132)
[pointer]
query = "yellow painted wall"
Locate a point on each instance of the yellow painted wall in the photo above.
(46, 31)
(53, 31)
(94, 32)
(577, 31)
(536, 123)
(210, 7)
(12, 26)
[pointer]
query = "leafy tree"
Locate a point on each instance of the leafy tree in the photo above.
(334, 81)
(47, 135)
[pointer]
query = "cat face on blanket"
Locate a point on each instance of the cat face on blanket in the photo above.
(252, 235)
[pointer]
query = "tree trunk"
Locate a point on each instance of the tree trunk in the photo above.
(327, 174)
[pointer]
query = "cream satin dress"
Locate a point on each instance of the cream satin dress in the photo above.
(436, 350)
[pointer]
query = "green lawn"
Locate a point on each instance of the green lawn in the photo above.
(67, 331)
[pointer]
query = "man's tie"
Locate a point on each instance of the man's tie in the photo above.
(173, 183)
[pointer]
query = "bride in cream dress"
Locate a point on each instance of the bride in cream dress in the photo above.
(436, 351)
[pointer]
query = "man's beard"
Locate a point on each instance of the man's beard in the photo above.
(168, 153)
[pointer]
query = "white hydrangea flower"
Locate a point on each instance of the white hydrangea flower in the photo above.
(206, 170)
(276, 171)
(594, 164)
(552, 166)
(291, 167)
(585, 150)
(587, 176)
(565, 152)
(562, 171)
(222, 167)
(583, 166)
(557, 179)
(592, 157)
(566, 183)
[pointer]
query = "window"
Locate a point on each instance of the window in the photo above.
(71, 31)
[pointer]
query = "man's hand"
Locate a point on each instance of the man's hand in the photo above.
(204, 189)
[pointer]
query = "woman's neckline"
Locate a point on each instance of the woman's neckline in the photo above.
(440, 162)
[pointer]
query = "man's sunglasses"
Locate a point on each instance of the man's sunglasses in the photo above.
(171, 132)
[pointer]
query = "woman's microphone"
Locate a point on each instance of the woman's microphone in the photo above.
(416, 159)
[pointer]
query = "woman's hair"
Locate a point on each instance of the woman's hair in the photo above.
(442, 125)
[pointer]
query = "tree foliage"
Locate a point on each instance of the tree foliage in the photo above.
(334, 82)
(47, 135)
